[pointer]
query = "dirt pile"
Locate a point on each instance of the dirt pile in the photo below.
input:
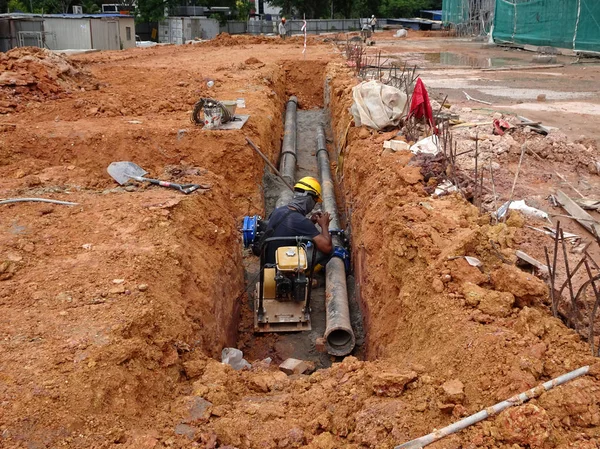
(34, 74)
(228, 40)
(486, 327)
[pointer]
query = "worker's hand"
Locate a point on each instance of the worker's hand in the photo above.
(315, 217)
(324, 220)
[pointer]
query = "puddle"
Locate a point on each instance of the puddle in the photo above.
(447, 58)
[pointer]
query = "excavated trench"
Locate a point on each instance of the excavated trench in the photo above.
(311, 114)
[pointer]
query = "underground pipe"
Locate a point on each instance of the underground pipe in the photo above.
(287, 165)
(339, 336)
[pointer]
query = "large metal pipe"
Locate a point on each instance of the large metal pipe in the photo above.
(339, 336)
(287, 165)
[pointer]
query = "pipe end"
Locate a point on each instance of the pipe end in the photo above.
(340, 341)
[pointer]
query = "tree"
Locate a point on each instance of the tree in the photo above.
(404, 8)
(90, 7)
(152, 10)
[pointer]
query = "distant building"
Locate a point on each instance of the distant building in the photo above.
(67, 31)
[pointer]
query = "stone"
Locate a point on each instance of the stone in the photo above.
(186, 431)
(142, 287)
(541, 97)
(438, 285)
(364, 133)
(321, 345)
(118, 281)
(526, 288)
(198, 410)
(119, 289)
(527, 425)
(392, 384)
(454, 391)
(268, 381)
(294, 366)
(194, 368)
(490, 302)
(446, 407)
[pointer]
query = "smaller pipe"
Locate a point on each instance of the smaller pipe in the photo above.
(495, 409)
(37, 200)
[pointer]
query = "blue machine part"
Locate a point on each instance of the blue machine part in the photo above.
(249, 229)
(343, 254)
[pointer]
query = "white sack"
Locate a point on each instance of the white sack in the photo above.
(377, 105)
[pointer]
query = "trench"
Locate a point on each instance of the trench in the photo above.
(312, 112)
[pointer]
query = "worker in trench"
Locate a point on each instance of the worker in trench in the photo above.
(291, 221)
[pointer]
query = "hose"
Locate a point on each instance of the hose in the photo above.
(37, 200)
(209, 103)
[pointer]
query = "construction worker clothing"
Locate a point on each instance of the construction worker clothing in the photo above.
(288, 224)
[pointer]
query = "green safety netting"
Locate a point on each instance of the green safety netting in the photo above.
(455, 11)
(573, 24)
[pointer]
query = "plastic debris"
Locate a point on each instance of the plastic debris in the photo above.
(523, 208)
(429, 145)
(444, 188)
(235, 358)
(401, 33)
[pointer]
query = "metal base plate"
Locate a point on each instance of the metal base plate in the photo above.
(281, 316)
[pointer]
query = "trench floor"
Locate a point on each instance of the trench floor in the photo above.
(299, 345)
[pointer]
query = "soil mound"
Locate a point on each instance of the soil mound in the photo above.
(34, 74)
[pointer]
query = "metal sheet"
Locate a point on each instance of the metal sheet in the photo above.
(68, 33)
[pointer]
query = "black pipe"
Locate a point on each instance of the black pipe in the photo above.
(339, 336)
(287, 165)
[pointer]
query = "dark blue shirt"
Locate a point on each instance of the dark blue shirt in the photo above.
(293, 225)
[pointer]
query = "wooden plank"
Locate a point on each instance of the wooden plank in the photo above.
(531, 261)
(582, 217)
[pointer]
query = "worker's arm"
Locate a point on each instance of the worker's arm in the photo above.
(323, 240)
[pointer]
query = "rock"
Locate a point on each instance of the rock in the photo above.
(530, 321)
(454, 391)
(130, 188)
(541, 97)
(320, 345)
(462, 271)
(364, 133)
(490, 302)
(186, 430)
(118, 281)
(32, 181)
(526, 288)
(46, 209)
(197, 410)
(446, 407)
(295, 366)
(119, 289)
(142, 287)
(268, 381)
(411, 175)
(194, 368)
(392, 384)
(438, 285)
(527, 425)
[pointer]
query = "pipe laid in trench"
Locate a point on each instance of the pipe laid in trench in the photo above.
(339, 336)
(287, 165)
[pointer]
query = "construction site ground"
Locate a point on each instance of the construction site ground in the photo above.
(114, 312)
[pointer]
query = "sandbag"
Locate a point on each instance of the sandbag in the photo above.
(377, 105)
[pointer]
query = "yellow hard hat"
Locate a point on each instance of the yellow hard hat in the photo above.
(310, 185)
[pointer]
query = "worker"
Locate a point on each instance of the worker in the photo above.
(373, 23)
(291, 221)
(282, 28)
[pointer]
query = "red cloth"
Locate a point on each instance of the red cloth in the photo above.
(420, 106)
(500, 126)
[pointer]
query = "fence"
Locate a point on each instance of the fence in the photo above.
(573, 24)
(295, 26)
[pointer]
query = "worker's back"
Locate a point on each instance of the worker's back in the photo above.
(287, 222)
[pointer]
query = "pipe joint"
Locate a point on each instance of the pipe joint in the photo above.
(343, 254)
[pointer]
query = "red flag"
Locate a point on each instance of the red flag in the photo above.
(420, 106)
